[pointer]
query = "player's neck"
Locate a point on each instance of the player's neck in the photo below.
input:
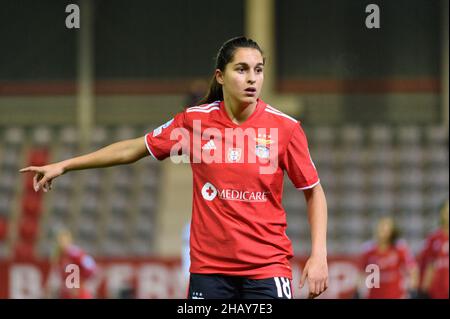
(383, 246)
(237, 112)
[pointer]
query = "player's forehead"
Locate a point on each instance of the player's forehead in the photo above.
(247, 57)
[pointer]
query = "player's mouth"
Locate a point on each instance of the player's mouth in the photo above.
(250, 91)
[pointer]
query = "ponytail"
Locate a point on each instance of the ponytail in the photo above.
(215, 92)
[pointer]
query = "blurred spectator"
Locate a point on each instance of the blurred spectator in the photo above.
(397, 267)
(433, 261)
(197, 91)
(67, 253)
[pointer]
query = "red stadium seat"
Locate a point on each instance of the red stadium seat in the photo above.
(28, 229)
(3, 229)
(38, 157)
(23, 251)
(32, 204)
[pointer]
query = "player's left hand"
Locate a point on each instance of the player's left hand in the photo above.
(316, 272)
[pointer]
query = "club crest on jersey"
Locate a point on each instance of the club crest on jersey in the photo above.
(263, 142)
(234, 154)
(262, 151)
(159, 129)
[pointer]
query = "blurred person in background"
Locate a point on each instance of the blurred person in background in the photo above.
(238, 245)
(398, 273)
(197, 91)
(433, 260)
(67, 253)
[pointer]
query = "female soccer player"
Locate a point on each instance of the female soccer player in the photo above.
(433, 260)
(238, 147)
(67, 253)
(397, 268)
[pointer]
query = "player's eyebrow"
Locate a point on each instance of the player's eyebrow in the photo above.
(246, 65)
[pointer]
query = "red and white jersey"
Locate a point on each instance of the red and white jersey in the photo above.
(238, 222)
(87, 267)
(394, 264)
(435, 252)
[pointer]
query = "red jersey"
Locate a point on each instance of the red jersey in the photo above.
(238, 222)
(393, 264)
(435, 252)
(87, 266)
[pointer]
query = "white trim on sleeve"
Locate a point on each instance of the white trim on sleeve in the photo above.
(148, 147)
(310, 186)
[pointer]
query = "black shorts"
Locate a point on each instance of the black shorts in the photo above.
(233, 287)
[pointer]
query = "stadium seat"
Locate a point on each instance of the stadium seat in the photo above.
(14, 136)
(23, 251)
(111, 248)
(355, 201)
(410, 201)
(100, 137)
(125, 132)
(409, 156)
(352, 178)
(41, 136)
(381, 156)
(38, 157)
(411, 178)
(10, 158)
(381, 179)
(322, 135)
(7, 181)
(382, 202)
(141, 248)
(68, 136)
(87, 228)
(5, 205)
(32, 204)
(28, 229)
(143, 229)
(437, 135)
(409, 135)
(122, 179)
(380, 135)
(437, 178)
(3, 228)
(116, 229)
(323, 155)
(119, 204)
(93, 180)
(352, 135)
(436, 156)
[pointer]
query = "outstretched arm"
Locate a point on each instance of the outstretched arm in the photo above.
(316, 268)
(119, 153)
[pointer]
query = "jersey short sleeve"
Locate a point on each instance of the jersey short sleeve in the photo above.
(297, 161)
(160, 141)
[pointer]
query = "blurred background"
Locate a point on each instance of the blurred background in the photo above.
(373, 103)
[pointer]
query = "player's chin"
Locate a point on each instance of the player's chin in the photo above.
(249, 99)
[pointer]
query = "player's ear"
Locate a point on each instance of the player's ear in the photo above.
(219, 76)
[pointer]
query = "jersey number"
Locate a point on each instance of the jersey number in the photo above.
(283, 287)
